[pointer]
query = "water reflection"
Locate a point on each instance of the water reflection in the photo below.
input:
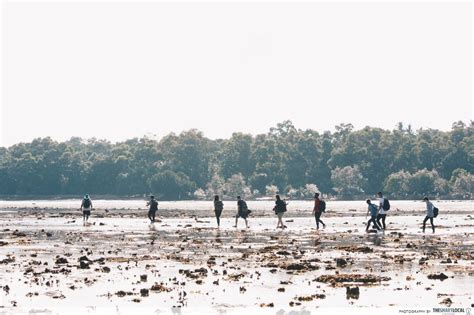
(376, 239)
(218, 238)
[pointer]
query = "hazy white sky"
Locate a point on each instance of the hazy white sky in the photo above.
(119, 70)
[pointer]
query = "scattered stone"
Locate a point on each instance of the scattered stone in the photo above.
(159, 287)
(342, 278)
(352, 293)
(446, 301)
(18, 234)
(61, 260)
(194, 274)
(7, 260)
(357, 249)
(84, 265)
(439, 276)
(308, 298)
(122, 293)
(341, 262)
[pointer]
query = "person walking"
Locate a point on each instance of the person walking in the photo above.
(280, 209)
(153, 207)
(384, 206)
(86, 207)
(373, 215)
(242, 211)
(218, 207)
(318, 211)
(429, 214)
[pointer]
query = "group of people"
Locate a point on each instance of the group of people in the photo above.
(378, 213)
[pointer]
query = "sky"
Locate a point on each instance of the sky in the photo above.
(118, 70)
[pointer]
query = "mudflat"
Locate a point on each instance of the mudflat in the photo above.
(120, 263)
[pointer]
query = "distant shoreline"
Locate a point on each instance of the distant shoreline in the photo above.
(135, 197)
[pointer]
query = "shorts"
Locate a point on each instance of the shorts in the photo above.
(242, 214)
(280, 214)
(86, 212)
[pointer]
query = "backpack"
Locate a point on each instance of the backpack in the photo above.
(435, 212)
(86, 203)
(322, 206)
(386, 204)
(245, 208)
(280, 207)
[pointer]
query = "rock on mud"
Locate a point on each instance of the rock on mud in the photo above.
(439, 276)
(342, 278)
(352, 293)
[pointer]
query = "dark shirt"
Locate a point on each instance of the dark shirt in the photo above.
(153, 205)
(218, 205)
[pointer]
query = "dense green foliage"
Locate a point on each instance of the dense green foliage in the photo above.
(347, 164)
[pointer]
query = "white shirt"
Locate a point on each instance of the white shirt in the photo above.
(381, 210)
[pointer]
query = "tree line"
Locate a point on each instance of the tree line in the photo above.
(344, 164)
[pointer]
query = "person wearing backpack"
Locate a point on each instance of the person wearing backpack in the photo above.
(218, 207)
(384, 206)
(86, 207)
(242, 211)
(373, 216)
(430, 214)
(280, 209)
(153, 207)
(319, 208)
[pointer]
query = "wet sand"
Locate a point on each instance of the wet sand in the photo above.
(51, 263)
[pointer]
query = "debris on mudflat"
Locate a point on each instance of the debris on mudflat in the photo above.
(61, 260)
(194, 274)
(356, 249)
(341, 262)
(352, 293)
(342, 278)
(7, 260)
(122, 293)
(439, 276)
(447, 301)
(307, 298)
(301, 266)
(267, 305)
(159, 287)
(235, 277)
